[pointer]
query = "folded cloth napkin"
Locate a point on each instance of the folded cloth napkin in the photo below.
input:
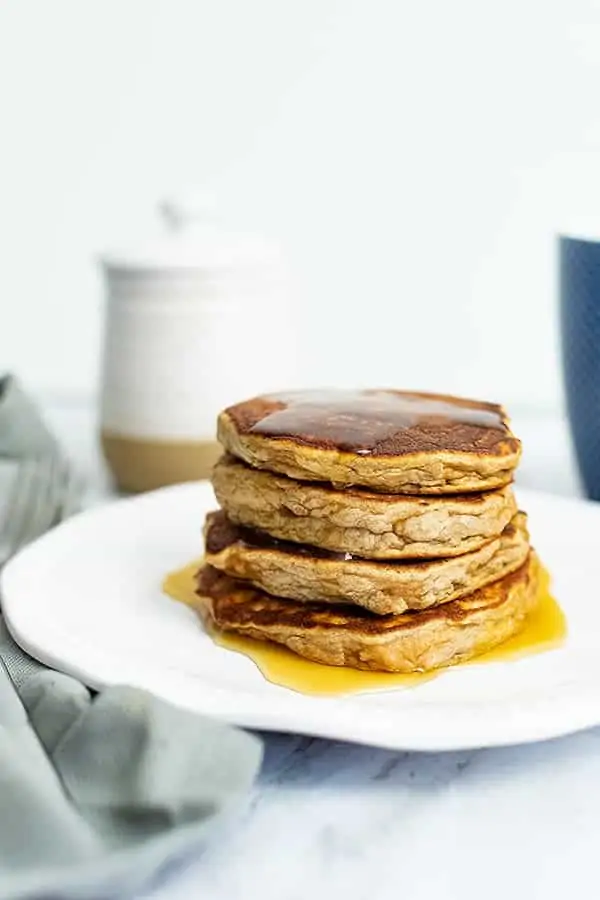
(98, 792)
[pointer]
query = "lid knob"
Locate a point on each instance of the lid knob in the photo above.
(185, 211)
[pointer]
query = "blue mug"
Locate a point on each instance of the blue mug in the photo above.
(579, 274)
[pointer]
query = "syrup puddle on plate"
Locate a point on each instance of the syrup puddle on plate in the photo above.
(545, 629)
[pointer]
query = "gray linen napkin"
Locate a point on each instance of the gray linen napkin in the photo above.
(98, 792)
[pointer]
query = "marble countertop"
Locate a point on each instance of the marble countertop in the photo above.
(332, 820)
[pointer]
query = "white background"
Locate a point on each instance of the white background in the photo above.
(413, 159)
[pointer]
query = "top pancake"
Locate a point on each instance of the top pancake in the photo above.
(392, 441)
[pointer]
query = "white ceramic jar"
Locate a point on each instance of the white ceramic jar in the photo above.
(197, 319)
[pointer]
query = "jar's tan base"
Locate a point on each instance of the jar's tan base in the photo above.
(140, 464)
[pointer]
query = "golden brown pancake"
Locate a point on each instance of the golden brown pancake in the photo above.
(371, 525)
(351, 636)
(391, 441)
(304, 573)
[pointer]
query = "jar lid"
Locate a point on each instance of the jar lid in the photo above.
(189, 235)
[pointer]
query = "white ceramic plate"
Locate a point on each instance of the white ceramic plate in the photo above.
(86, 599)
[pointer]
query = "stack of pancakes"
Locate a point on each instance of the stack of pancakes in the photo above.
(370, 529)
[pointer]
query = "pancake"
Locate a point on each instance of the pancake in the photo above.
(391, 441)
(371, 525)
(307, 574)
(353, 637)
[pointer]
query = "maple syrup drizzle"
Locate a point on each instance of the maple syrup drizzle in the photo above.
(544, 630)
(359, 421)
